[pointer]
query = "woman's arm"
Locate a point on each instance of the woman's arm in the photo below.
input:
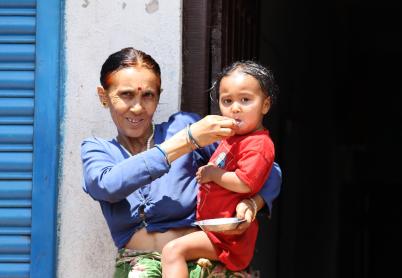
(111, 180)
(205, 132)
(272, 187)
(108, 179)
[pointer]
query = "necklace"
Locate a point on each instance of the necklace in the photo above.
(150, 137)
(149, 140)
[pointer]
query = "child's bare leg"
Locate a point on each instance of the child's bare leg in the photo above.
(189, 247)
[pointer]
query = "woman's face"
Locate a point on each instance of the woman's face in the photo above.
(132, 98)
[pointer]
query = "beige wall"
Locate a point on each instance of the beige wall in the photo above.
(93, 30)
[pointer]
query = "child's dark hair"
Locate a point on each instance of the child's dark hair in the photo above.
(263, 75)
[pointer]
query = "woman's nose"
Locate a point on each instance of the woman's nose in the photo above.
(136, 107)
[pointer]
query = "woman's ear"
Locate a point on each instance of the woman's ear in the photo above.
(266, 105)
(102, 96)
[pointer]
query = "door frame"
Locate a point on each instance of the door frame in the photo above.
(215, 34)
(196, 56)
(46, 138)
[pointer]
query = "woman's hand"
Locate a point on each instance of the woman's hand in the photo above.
(212, 128)
(205, 132)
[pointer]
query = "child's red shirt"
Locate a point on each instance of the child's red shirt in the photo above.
(251, 157)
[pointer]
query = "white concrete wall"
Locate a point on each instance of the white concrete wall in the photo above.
(93, 30)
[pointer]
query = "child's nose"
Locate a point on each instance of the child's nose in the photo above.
(235, 107)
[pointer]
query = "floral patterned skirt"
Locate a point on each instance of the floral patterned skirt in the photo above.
(140, 264)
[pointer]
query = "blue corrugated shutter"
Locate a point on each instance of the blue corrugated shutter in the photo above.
(23, 82)
(17, 65)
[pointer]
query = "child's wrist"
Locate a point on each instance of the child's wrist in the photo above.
(255, 208)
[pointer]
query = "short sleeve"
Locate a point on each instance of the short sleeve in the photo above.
(253, 169)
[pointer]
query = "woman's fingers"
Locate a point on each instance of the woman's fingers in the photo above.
(224, 124)
(212, 128)
(225, 132)
(226, 121)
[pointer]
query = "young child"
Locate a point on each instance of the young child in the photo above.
(236, 170)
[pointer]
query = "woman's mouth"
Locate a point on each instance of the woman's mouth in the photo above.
(134, 121)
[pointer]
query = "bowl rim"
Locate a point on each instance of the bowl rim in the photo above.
(219, 221)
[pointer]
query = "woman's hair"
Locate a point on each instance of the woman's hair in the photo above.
(263, 75)
(127, 57)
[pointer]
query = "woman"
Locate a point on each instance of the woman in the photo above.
(144, 178)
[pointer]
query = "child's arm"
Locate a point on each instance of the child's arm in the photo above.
(226, 179)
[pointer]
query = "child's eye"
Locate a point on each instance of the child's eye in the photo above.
(245, 99)
(226, 101)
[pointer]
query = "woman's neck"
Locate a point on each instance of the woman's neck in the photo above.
(137, 145)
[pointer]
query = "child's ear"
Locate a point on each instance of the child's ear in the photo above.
(102, 96)
(266, 105)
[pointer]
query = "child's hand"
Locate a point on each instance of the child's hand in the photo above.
(204, 173)
(244, 210)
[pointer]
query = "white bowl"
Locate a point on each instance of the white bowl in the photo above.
(219, 224)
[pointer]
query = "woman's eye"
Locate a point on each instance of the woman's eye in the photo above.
(125, 94)
(148, 94)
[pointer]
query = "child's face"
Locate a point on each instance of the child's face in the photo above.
(241, 98)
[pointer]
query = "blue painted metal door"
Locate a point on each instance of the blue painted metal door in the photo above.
(29, 50)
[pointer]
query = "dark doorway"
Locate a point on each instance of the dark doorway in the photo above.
(337, 127)
(338, 124)
(215, 33)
